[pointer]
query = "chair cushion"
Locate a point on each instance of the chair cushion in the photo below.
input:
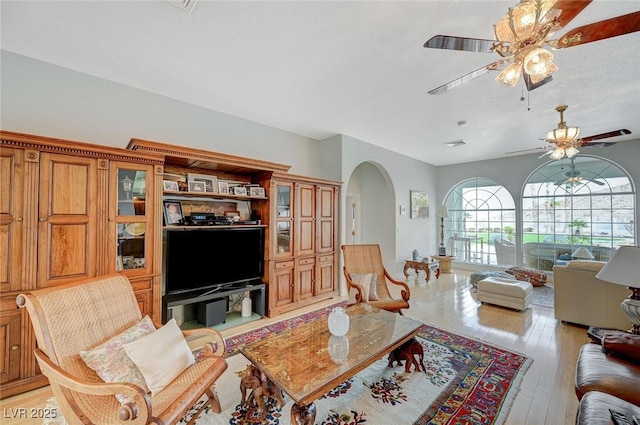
(111, 362)
(161, 356)
(369, 284)
(476, 277)
(534, 277)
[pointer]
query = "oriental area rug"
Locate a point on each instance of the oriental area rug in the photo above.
(464, 381)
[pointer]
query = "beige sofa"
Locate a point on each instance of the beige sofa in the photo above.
(582, 299)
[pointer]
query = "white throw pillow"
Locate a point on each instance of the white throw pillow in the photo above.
(111, 362)
(369, 284)
(161, 356)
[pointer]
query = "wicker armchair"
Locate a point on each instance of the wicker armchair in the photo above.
(366, 259)
(78, 316)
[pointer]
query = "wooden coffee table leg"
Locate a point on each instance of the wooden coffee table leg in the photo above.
(303, 415)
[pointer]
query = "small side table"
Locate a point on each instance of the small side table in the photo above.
(417, 266)
(445, 262)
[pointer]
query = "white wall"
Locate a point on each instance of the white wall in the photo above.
(43, 99)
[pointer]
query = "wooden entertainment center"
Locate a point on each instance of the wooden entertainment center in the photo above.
(71, 210)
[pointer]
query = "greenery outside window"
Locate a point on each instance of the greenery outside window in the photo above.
(580, 202)
(481, 215)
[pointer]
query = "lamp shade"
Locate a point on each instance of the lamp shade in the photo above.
(583, 254)
(443, 211)
(623, 268)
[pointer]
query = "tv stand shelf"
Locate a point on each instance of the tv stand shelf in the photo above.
(184, 307)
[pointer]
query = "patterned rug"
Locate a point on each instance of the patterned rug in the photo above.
(464, 381)
(543, 296)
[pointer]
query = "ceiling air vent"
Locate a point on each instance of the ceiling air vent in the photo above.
(187, 5)
(455, 143)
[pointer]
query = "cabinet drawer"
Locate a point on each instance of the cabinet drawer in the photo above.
(326, 258)
(305, 261)
(141, 285)
(283, 265)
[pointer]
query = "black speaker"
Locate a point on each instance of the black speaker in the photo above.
(212, 312)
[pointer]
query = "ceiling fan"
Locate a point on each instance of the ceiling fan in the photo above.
(573, 177)
(564, 140)
(522, 34)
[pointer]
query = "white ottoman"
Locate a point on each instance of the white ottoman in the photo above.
(505, 292)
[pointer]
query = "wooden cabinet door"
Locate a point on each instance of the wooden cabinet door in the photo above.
(305, 230)
(281, 291)
(326, 218)
(306, 273)
(326, 279)
(67, 219)
(11, 218)
(10, 346)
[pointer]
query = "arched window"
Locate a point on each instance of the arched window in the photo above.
(585, 202)
(482, 217)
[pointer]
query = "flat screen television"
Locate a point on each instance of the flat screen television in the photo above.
(209, 259)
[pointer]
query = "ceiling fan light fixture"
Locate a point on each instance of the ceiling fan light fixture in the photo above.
(538, 63)
(558, 153)
(571, 151)
(511, 74)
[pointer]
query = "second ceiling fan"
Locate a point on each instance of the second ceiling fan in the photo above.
(522, 35)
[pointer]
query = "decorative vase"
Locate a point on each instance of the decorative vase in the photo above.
(246, 307)
(415, 255)
(338, 322)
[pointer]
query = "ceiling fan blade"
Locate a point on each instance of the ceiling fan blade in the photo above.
(470, 76)
(586, 141)
(608, 28)
(598, 182)
(561, 181)
(570, 9)
(531, 85)
(460, 43)
(532, 150)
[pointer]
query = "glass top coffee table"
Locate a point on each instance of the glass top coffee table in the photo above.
(307, 361)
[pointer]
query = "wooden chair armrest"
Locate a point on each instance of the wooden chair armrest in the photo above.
(353, 285)
(406, 292)
(206, 338)
(129, 411)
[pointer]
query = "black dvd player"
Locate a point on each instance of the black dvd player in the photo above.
(205, 219)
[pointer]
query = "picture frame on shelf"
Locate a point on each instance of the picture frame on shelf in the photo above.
(223, 188)
(173, 213)
(240, 190)
(170, 185)
(256, 191)
(197, 187)
(232, 215)
(210, 182)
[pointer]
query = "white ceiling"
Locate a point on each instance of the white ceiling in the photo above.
(319, 68)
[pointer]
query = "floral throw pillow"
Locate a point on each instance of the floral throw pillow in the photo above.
(534, 277)
(110, 361)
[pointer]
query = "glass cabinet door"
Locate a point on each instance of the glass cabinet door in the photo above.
(284, 228)
(131, 218)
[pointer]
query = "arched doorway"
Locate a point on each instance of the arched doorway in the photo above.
(370, 209)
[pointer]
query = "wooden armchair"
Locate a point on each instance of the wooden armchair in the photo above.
(362, 260)
(79, 316)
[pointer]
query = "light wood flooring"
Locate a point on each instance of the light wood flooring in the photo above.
(546, 396)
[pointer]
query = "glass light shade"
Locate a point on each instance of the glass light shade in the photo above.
(623, 268)
(558, 153)
(443, 211)
(563, 134)
(510, 75)
(571, 152)
(538, 63)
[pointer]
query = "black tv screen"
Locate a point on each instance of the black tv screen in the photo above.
(201, 259)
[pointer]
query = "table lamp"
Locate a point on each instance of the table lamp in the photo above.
(442, 212)
(582, 253)
(624, 269)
